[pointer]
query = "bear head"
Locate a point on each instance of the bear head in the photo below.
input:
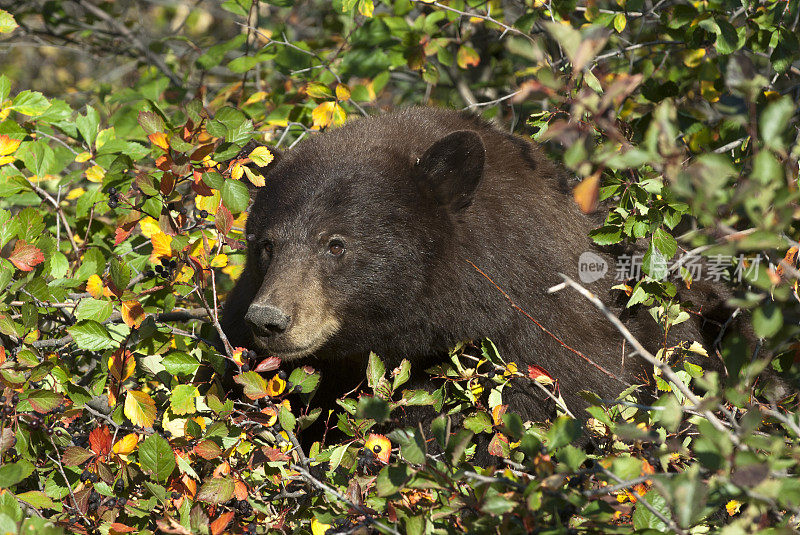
(345, 235)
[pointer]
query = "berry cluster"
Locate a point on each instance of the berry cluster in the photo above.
(165, 269)
(113, 197)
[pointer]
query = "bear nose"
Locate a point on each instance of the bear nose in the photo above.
(267, 319)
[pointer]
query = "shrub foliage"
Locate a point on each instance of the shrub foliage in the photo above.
(124, 130)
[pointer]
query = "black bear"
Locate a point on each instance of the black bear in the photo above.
(381, 236)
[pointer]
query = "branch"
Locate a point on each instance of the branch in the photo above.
(118, 26)
(333, 492)
(665, 368)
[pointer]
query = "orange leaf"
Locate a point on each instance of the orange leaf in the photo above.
(116, 527)
(467, 57)
(161, 246)
(26, 256)
(100, 440)
(159, 139)
(586, 193)
(240, 490)
(219, 525)
(133, 314)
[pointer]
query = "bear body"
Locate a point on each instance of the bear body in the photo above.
(370, 237)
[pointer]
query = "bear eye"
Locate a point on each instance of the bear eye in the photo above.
(336, 247)
(266, 254)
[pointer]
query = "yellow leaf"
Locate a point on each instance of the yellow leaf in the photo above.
(209, 204)
(733, 507)
(342, 92)
(257, 179)
(237, 171)
(159, 139)
(149, 227)
(95, 173)
(261, 156)
(6, 159)
(8, 145)
(273, 416)
(126, 445)
(318, 528)
(276, 386)
(256, 97)
(221, 260)
(620, 22)
(693, 58)
(103, 136)
(140, 408)
(323, 115)
(161, 246)
(366, 7)
(82, 157)
(133, 314)
(95, 286)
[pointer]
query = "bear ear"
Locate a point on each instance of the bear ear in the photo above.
(453, 167)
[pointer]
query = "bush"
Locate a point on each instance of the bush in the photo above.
(122, 202)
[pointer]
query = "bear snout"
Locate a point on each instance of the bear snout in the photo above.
(267, 320)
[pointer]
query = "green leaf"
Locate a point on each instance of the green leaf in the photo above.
(156, 457)
(91, 336)
(654, 263)
(13, 473)
(88, 125)
(30, 103)
(375, 370)
(391, 479)
(563, 431)
(767, 319)
(665, 242)
(643, 519)
(255, 387)
(235, 195)
(93, 309)
(373, 408)
(42, 401)
(177, 363)
(774, 120)
(37, 499)
(480, 422)
(337, 455)
(151, 122)
(216, 490)
(307, 381)
(401, 374)
(5, 87)
(183, 399)
(7, 25)
(38, 157)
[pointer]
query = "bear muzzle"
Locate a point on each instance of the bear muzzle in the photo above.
(267, 320)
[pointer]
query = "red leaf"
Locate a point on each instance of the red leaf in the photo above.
(208, 449)
(100, 440)
(275, 455)
(268, 364)
(25, 256)
(200, 187)
(539, 374)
